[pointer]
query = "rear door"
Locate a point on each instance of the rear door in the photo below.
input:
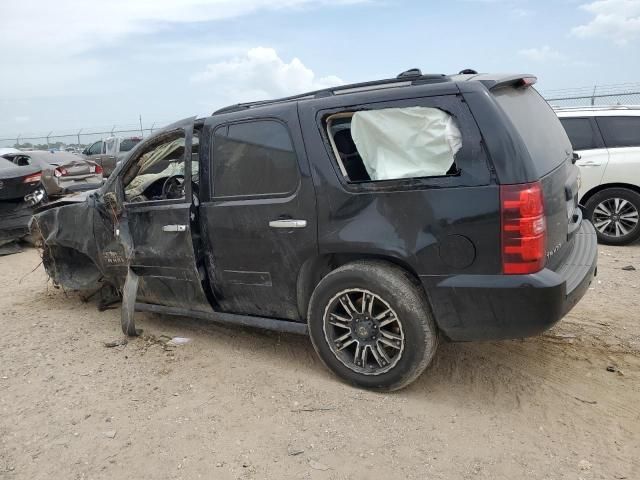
(260, 220)
(587, 143)
(621, 136)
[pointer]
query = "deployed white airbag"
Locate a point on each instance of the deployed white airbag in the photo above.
(406, 142)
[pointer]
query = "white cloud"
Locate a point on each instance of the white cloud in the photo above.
(542, 54)
(262, 74)
(618, 20)
(53, 44)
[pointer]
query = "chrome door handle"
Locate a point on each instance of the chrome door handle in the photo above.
(174, 228)
(288, 223)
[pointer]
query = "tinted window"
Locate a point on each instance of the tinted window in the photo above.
(253, 158)
(538, 126)
(128, 143)
(580, 133)
(620, 131)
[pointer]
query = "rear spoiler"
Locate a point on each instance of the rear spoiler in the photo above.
(494, 82)
(515, 81)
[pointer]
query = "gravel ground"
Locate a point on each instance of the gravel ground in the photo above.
(246, 404)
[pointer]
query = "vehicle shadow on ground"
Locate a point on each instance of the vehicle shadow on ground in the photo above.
(476, 370)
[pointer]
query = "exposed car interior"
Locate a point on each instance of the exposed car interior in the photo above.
(394, 143)
(158, 174)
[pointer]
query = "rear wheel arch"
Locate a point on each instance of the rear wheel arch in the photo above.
(316, 268)
(604, 186)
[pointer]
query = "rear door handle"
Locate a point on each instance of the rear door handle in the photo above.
(174, 228)
(589, 163)
(288, 223)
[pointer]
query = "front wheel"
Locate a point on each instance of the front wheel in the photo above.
(614, 214)
(372, 326)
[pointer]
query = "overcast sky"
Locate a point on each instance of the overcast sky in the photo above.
(68, 64)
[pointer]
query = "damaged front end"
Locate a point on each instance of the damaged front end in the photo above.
(71, 234)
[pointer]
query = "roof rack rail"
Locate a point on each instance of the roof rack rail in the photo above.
(410, 77)
(598, 107)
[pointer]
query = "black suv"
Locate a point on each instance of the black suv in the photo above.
(378, 217)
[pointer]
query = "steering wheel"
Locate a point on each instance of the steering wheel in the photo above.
(173, 187)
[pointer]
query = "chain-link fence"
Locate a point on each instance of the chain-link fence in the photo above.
(620, 94)
(76, 139)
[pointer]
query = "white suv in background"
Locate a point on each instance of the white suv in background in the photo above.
(608, 142)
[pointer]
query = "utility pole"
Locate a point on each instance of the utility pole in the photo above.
(79, 137)
(48, 135)
(593, 96)
(141, 132)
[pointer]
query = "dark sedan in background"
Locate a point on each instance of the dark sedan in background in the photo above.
(20, 191)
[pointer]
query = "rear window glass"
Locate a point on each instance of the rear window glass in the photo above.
(394, 143)
(538, 126)
(128, 143)
(620, 131)
(580, 133)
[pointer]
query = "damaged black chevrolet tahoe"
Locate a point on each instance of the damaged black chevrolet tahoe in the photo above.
(378, 218)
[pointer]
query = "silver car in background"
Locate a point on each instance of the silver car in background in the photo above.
(62, 172)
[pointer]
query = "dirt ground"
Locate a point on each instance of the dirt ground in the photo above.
(247, 404)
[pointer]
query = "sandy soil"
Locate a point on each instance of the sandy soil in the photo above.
(245, 404)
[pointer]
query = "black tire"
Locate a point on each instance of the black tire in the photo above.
(396, 293)
(609, 235)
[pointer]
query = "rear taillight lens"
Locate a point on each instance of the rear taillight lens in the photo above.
(32, 178)
(60, 172)
(98, 169)
(524, 230)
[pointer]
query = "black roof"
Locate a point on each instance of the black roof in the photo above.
(409, 77)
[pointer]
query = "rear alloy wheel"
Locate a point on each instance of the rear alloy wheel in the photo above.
(614, 213)
(363, 331)
(371, 324)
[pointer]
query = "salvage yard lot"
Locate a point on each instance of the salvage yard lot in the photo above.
(235, 403)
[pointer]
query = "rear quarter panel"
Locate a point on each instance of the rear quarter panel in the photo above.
(438, 226)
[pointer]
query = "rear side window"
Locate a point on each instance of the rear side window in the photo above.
(538, 126)
(253, 158)
(620, 131)
(394, 143)
(580, 133)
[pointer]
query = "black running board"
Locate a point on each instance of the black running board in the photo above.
(230, 318)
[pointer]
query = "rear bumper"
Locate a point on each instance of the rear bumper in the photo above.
(70, 184)
(493, 307)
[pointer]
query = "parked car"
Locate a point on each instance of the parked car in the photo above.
(608, 142)
(20, 191)
(109, 152)
(376, 217)
(62, 172)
